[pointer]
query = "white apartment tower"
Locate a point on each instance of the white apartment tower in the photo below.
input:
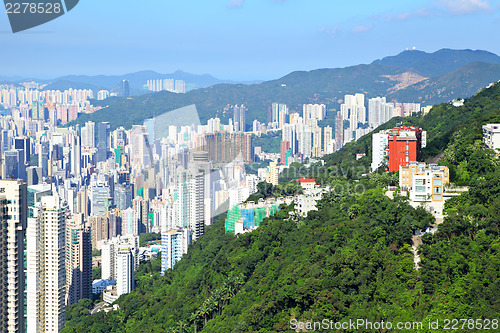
(110, 249)
(125, 270)
(380, 142)
(46, 280)
(379, 111)
(174, 244)
(313, 112)
(76, 156)
(354, 110)
(329, 144)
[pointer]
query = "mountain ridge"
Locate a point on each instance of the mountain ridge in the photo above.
(327, 86)
(439, 62)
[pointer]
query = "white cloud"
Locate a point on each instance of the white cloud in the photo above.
(332, 31)
(235, 3)
(403, 16)
(462, 7)
(361, 28)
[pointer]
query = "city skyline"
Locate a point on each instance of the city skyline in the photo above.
(200, 37)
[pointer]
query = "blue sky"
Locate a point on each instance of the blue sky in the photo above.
(242, 39)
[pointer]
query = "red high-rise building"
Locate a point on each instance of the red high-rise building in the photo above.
(405, 145)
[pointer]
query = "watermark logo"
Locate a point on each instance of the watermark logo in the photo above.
(27, 14)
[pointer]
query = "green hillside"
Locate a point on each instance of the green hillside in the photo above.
(349, 260)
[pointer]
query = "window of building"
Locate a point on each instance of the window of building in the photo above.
(419, 181)
(437, 182)
(420, 189)
(437, 197)
(437, 190)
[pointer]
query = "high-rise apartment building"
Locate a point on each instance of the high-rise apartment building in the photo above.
(225, 147)
(98, 193)
(102, 95)
(354, 110)
(405, 145)
(239, 118)
(4, 213)
(329, 143)
(339, 130)
(316, 142)
(279, 114)
(272, 173)
(379, 149)
(78, 260)
(125, 89)
(124, 270)
(192, 204)
(174, 244)
(76, 156)
(397, 147)
(88, 134)
(15, 192)
(379, 111)
(313, 112)
(109, 255)
(14, 166)
(304, 138)
(289, 133)
(46, 276)
(102, 141)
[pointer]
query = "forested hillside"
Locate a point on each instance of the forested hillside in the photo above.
(351, 259)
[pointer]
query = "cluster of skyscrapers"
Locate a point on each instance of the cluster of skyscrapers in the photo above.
(362, 121)
(11, 96)
(302, 137)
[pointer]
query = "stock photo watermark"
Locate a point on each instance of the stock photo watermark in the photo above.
(367, 325)
(24, 15)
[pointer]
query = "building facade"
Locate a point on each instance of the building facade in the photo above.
(491, 136)
(174, 244)
(426, 183)
(78, 260)
(15, 192)
(46, 275)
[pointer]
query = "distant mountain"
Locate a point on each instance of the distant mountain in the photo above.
(439, 62)
(326, 86)
(113, 82)
(138, 80)
(64, 85)
(461, 83)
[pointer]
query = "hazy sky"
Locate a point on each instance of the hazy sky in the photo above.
(242, 39)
